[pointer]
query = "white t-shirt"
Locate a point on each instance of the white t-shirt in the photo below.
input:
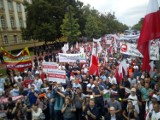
(112, 80)
(90, 86)
(36, 115)
(16, 78)
(77, 85)
(14, 92)
(38, 83)
(155, 116)
(134, 100)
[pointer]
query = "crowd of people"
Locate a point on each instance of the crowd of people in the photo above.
(136, 97)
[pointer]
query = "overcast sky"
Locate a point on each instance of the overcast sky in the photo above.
(126, 11)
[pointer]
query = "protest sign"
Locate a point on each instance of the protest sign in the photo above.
(49, 65)
(81, 57)
(131, 49)
(56, 75)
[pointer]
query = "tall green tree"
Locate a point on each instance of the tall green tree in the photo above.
(44, 18)
(138, 25)
(70, 26)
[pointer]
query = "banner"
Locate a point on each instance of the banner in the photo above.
(49, 65)
(72, 57)
(131, 49)
(56, 75)
(5, 99)
(17, 62)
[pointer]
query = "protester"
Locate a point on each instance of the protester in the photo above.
(102, 95)
(68, 110)
(112, 115)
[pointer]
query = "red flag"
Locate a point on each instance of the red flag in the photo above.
(150, 31)
(119, 73)
(93, 70)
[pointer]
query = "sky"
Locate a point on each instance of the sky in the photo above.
(126, 11)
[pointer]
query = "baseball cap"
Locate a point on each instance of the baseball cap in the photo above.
(133, 90)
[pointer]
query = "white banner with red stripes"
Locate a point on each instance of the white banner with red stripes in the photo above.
(49, 65)
(56, 75)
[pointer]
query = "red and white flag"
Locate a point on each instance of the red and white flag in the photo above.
(119, 73)
(93, 70)
(150, 31)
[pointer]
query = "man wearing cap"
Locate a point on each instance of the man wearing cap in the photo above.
(149, 104)
(133, 97)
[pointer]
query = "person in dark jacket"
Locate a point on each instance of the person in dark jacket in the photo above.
(112, 115)
(91, 112)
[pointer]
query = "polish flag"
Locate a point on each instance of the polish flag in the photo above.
(119, 73)
(150, 31)
(93, 70)
(121, 70)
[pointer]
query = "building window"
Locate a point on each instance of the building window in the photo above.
(15, 39)
(10, 5)
(6, 39)
(1, 4)
(20, 23)
(18, 7)
(12, 22)
(3, 23)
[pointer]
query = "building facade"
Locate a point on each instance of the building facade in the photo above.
(12, 19)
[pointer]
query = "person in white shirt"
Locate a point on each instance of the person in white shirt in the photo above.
(17, 77)
(38, 82)
(36, 112)
(15, 91)
(155, 113)
(133, 97)
(90, 86)
(132, 80)
(76, 84)
(112, 79)
(149, 104)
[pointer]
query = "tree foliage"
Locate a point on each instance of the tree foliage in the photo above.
(48, 20)
(138, 25)
(70, 26)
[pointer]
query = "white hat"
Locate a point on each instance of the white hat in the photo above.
(133, 90)
(37, 72)
(156, 97)
(135, 67)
